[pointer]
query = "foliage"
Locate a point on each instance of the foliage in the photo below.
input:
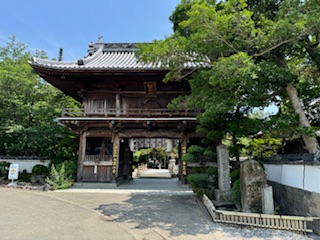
(188, 157)
(234, 175)
(199, 183)
(143, 155)
(197, 153)
(195, 149)
(66, 153)
(203, 180)
(39, 170)
(248, 54)
(4, 169)
(31, 141)
(24, 176)
(235, 191)
(70, 168)
(264, 147)
(59, 179)
(28, 105)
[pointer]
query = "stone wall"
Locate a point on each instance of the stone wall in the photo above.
(298, 202)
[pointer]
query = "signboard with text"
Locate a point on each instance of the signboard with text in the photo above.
(13, 171)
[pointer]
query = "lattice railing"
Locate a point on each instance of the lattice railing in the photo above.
(292, 223)
(97, 158)
(131, 112)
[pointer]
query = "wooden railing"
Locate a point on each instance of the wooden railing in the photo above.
(133, 112)
(97, 158)
(292, 223)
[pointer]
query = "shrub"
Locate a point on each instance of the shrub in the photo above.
(235, 191)
(211, 170)
(210, 154)
(70, 168)
(4, 169)
(199, 183)
(24, 176)
(59, 179)
(195, 149)
(235, 175)
(189, 157)
(39, 170)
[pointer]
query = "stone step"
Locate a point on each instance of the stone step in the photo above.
(155, 173)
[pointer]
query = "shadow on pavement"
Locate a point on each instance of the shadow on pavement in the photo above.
(176, 214)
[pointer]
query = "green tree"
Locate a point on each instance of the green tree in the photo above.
(28, 105)
(247, 55)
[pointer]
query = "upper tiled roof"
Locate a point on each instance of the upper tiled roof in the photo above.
(104, 56)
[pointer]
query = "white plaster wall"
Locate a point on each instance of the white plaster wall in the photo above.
(292, 175)
(305, 177)
(312, 179)
(273, 172)
(26, 164)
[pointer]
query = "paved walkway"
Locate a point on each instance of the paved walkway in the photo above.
(141, 209)
(33, 215)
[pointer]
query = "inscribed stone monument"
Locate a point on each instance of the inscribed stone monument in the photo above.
(252, 180)
(267, 200)
(224, 191)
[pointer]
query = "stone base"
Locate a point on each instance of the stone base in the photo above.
(222, 196)
(12, 184)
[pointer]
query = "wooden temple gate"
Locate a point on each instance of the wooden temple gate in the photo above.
(121, 99)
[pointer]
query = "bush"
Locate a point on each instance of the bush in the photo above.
(4, 169)
(39, 169)
(235, 191)
(59, 179)
(24, 176)
(70, 168)
(195, 149)
(189, 157)
(235, 175)
(199, 183)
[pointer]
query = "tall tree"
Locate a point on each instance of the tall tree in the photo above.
(28, 105)
(245, 52)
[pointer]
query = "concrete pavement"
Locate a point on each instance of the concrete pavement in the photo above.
(33, 215)
(147, 209)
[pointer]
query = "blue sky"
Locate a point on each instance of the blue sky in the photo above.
(72, 24)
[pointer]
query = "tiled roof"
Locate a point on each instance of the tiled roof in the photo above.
(111, 56)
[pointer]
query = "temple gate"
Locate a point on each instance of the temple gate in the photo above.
(122, 100)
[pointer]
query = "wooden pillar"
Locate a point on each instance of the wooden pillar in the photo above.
(81, 155)
(118, 104)
(115, 156)
(183, 167)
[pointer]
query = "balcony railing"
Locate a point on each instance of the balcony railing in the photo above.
(133, 112)
(100, 160)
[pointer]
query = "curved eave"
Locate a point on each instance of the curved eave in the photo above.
(49, 69)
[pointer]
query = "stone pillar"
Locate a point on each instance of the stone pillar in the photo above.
(224, 191)
(267, 200)
(81, 154)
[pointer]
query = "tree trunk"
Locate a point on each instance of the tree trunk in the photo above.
(311, 143)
